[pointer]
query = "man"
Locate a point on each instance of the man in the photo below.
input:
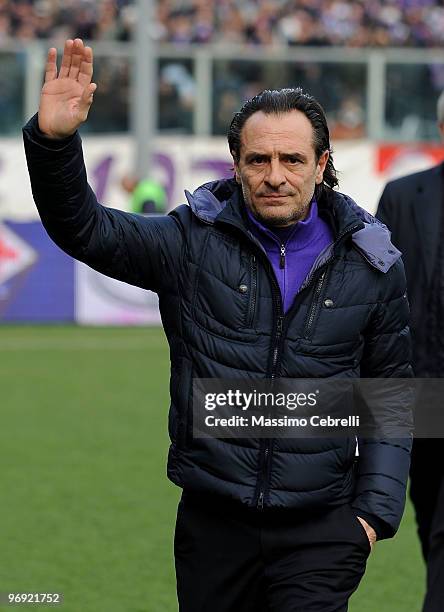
(413, 209)
(270, 274)
(147, 196)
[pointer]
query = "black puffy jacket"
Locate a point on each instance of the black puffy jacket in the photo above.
(196, 258)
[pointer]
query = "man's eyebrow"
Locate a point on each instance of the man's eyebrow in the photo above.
(298, 155)
(252, 154)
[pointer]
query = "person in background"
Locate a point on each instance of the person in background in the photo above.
(412, 207)
(146, 196)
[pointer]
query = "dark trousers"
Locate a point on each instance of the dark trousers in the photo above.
(427, 494)
(235, 559)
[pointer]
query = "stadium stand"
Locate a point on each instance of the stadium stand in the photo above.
(361, 23)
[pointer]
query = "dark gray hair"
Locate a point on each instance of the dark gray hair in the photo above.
(277, 101)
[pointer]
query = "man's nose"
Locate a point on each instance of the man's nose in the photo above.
(275, 176)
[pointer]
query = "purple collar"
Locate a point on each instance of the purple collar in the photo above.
(293, 251)
(301, 233)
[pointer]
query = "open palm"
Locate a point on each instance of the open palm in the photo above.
(67, 96)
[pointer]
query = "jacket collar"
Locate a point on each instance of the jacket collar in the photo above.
(222, 202)
(210, 199)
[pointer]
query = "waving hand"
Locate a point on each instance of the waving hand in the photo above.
(67, 96)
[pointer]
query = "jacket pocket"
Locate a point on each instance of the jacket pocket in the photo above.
(225, 290)
(358, 528)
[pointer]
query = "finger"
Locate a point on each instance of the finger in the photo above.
(86, 100)
(86, 67)
(66, 59)
(76, 60)
(51, 65)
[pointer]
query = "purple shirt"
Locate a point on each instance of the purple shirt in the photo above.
(293, 250)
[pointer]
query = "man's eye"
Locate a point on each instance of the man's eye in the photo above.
(258, 160)
(293, 160)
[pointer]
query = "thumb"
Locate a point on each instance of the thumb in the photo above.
(87, 99)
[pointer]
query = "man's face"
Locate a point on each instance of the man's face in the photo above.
(277, 168)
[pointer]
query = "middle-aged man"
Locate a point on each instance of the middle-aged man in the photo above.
(269, 274)
(413, 209)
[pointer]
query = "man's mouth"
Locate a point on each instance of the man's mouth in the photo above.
(274, 196)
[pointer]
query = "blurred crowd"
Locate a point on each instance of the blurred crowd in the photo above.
(61, 19)
(356, 23)
(341, 87)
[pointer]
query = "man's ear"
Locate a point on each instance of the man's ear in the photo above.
(321, 167)
(236, 168)
(236, 173)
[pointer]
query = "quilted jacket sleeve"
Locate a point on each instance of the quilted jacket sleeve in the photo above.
(132, 248)
(383, 464)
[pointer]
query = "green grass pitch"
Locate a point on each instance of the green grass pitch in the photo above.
(86, 508)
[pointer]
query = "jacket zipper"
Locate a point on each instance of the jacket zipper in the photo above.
(266, 465)
(282, 257)
(279, 328)
(315, 304)
(253, 286)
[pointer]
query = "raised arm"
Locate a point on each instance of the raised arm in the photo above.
(132, 248)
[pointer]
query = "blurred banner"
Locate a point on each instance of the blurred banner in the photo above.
(37, 279)
(402, 159)
(100, 300)
(39, 283)
(108, 161)
(364, 168)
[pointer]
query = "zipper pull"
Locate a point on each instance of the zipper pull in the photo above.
(279, 325)
(282, 258)
(260, 501)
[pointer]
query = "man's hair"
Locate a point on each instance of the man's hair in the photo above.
(278, 101)
(440, 108)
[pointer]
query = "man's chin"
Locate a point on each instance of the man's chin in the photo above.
(274, 218)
